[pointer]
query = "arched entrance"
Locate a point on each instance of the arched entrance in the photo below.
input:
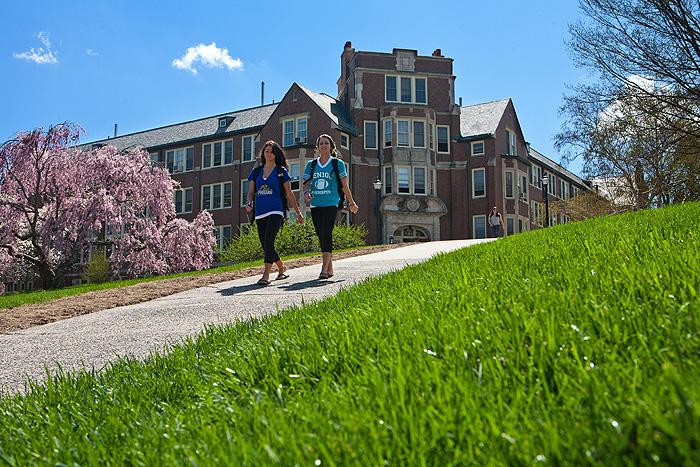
(411, 233)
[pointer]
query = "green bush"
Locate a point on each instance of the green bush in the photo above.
(97, 270)
(292, 239)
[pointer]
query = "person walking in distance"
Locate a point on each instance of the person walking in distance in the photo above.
(495, 221)
(269, 194)
(325, 188)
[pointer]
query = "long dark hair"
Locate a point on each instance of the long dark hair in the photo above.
(334, 150)
(280, 156)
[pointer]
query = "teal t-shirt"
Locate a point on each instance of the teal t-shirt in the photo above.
(324, 186)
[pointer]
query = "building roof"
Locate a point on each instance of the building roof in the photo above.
(334, 109)
(541, 158)
(203, 128)
(481, 119)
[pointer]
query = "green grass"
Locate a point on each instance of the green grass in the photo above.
(40, 296)
(574, 345)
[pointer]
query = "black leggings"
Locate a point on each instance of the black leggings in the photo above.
(324, 220)
(267, 232)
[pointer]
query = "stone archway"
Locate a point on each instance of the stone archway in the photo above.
(410, 234)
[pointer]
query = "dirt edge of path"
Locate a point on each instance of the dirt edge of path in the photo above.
(36, 314)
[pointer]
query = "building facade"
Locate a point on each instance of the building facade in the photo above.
(440, 166)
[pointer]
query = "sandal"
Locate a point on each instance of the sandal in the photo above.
(325, 275)
(281, 276)
(263, 282)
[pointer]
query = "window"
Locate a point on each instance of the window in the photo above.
(510, 226)
(420, 91)
(431, 137)
(247, 148)
(344, 141)
(565, 192)
(217, 154)
(511, 146)
(402, 130)
(478, 183)
(223, 236)
(477, 148)
(387, 181)
(244, 192)
(405, 89)
(522, 192)
(403, 179)
(390, 89)
(294, 175)
(180, 160)
(509, 184)
(217, 196)
(536, 178)
(443, 138)
(418, 134)
(419, 180)
(154, 157)
(551, 184)
(183, 200)
(294, 131)
(479, 226)
(370, 135)
(223, 122)
(387, 132)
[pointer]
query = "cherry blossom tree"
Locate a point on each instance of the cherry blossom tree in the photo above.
(57, 198)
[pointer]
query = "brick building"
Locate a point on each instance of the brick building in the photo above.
(396, 120)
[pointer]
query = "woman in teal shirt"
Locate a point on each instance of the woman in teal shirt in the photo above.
(324, 179)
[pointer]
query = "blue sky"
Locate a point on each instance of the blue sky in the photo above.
(97, 63)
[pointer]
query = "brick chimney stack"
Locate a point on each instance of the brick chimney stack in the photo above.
(437, 53)
(348, 45)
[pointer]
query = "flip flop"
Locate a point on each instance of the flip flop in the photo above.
(263, 282)
(281, 276)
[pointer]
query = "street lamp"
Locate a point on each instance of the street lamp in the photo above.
(377, 188)
(545, 182)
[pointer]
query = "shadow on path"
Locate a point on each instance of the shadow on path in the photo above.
(313, 283)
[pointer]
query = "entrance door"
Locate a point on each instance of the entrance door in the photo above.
(411, 233)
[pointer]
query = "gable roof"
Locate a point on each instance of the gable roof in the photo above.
(481, 119)
(542, 159)
(335, 110)
(203, 128)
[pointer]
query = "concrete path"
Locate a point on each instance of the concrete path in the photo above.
(93, 340)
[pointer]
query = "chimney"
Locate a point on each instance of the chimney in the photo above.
(460, 102)
(115, 130)
(262, 92)
(437, 53)
(348, 45)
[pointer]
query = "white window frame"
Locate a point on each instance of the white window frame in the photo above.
(174, 153)
(413, 133)
(474, 218)
(387, 135)
(388, 178)
(437, 138)
(211, 198)
(474, 171)
(244, 192)
(512, 145)
(399, 86)
(295, 179)
(347, 141)
(512, 184)
(183, 200)
(220, 233)
(483, 148)
(425, 181)
(297, 137)
(408, 133)
(367, 142)
(407, 168)
(512, 219)
(211, 154)
(250, 138)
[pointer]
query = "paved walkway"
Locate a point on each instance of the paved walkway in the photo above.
(95, 339)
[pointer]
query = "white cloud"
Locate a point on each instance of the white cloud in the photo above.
(91, 53)
(39, 55)
(209, 56)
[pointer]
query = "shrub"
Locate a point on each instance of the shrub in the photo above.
(292, 239)
(97, 270)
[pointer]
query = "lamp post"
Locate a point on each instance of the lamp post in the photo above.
(545, 183)
(377, 188)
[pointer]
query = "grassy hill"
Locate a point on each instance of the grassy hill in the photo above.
(578, 344)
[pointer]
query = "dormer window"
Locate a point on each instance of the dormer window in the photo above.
(223, 122)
